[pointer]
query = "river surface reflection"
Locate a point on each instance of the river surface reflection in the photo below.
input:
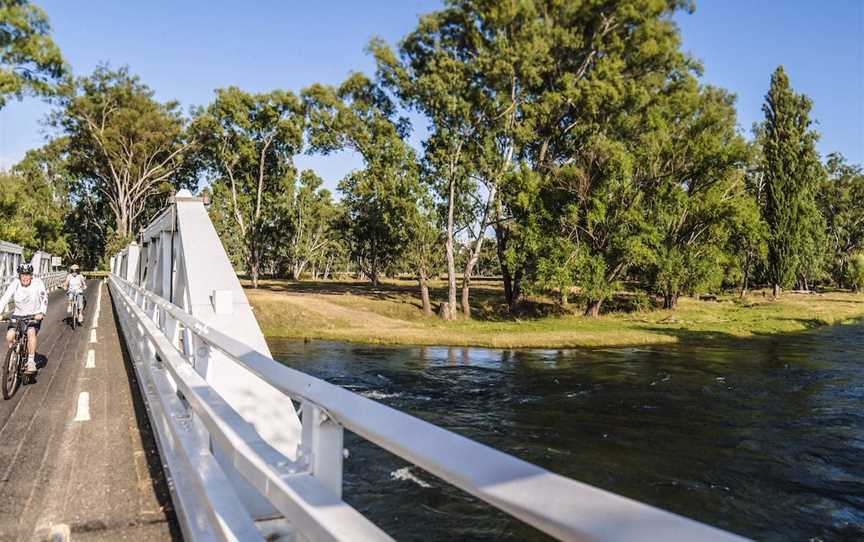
(763, 437)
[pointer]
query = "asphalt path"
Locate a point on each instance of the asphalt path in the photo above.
(77, 458)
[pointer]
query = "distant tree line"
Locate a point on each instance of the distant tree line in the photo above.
(570, 150)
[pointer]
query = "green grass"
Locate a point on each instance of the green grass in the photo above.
(390, 314)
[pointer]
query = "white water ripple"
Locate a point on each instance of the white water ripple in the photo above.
(405, 474)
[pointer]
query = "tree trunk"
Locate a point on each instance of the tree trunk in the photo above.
(670, 300)
(424, 294)
(491, 199)
(466, 300)
(123, 218)
(776, 290)
(253, 272)
(508, 285)
(515, 292)
(593, 308)
(501, 246)
(450, 312)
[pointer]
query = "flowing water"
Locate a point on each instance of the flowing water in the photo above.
(763, 437)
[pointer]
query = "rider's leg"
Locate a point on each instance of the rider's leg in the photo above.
(31, 349)
(10, 337)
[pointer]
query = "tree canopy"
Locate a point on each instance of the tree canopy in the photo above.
(30, 61)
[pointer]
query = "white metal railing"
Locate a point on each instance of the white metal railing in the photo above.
(11, 255)
(53, 279)
(306, 490)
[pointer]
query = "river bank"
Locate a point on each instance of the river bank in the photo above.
(390, 314)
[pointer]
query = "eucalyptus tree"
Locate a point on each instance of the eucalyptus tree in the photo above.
(791, 171)
(44, 201)
(839, 200)
(246, 144)
(30, 62)
(433, 80)
(30, 215)
(423, 253)
(855, 271)
(746, 248)
(692, 161)
(123, 146)
(307, 224)
(467, 68)
(379, 199)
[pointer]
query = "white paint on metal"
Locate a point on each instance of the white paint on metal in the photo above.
(207, 506)
(11, 255)
(83, 412)
(238, 414)
(310, 506)
(564, 508)
(90, 363)
(181, 259)
(223, 302)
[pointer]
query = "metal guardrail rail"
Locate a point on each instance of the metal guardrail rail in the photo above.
(245, 465)
(191, 419)
(11, 255)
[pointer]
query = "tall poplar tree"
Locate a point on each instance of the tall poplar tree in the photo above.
(791, 172)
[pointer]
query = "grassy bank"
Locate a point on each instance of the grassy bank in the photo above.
(390, 314)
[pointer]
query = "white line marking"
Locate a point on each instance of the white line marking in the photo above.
(91, 360)
(83, 414)
(92, 335)
(95, 322)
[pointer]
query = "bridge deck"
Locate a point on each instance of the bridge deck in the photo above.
(96, 471)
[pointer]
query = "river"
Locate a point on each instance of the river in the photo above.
(763, 437)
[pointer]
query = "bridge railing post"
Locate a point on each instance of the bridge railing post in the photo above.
(132, 255)
(321, 448)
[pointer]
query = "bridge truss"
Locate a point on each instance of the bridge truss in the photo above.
(246, 463)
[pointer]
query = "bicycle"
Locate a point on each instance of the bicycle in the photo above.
(76, 301)
(12, 373)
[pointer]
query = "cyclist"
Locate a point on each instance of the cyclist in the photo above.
(31, 303)
(74, 285)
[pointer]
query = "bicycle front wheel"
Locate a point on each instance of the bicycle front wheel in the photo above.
(10, 373)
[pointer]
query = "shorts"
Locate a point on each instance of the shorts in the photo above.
(35, 324)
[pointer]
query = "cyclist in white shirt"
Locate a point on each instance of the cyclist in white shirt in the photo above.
(31, 303)
(75, 284)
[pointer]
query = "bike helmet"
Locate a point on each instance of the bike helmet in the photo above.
(75, 268)
(25, 269)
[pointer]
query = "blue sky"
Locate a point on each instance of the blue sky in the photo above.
(184, 50)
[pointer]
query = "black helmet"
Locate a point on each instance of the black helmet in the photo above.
(25, 269)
